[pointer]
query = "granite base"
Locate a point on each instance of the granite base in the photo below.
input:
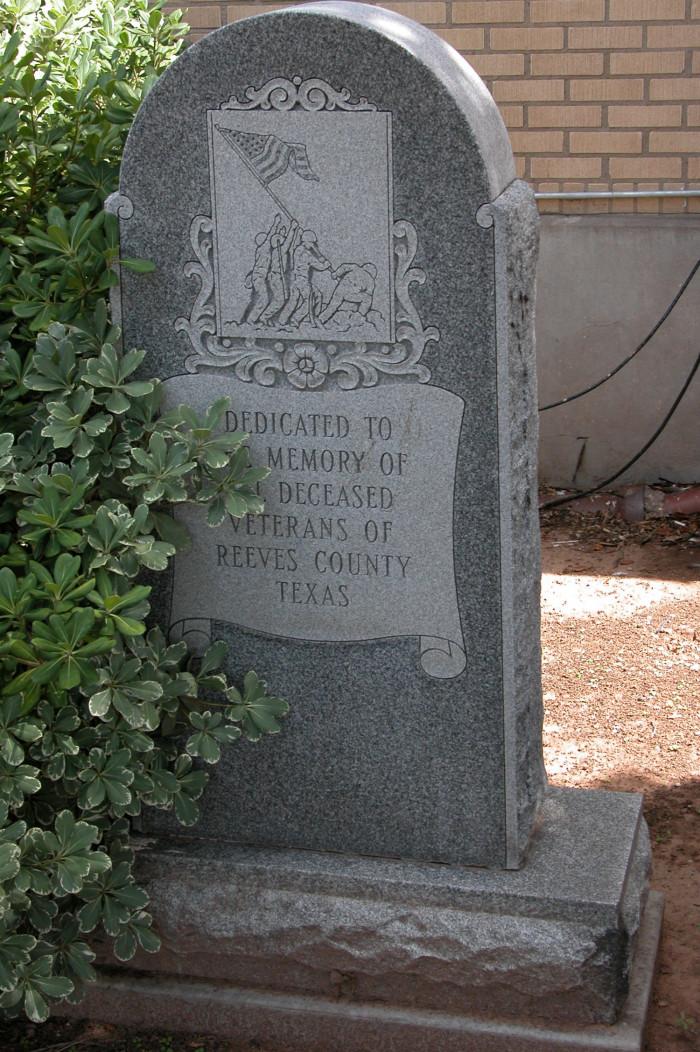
(303, 952)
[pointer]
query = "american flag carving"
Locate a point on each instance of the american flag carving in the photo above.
(267, 156)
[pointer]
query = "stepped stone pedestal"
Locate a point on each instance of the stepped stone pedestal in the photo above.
(342, 248)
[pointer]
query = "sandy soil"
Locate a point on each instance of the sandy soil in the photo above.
(621, 680)
(621, 664)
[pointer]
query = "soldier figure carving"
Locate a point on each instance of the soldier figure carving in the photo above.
(286, 259)
(282, 283)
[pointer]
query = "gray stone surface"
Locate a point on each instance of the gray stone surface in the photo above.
(303, 951)
(293, 1023)
(415, 725)
(550, 942)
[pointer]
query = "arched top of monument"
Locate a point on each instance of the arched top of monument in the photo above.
(266, 37)
(462, 83)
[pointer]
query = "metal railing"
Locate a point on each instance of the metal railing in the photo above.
(610, 195)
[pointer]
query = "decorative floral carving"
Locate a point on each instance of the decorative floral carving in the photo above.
(284, 94)
(308, 365)
(119, 205)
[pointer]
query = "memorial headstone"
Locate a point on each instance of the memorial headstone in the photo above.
(341, 248)
(336, 252)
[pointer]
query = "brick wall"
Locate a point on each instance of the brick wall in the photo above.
(596, 94)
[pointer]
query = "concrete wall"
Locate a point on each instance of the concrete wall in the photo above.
(603, 281)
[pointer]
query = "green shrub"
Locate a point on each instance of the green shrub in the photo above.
(97, 715)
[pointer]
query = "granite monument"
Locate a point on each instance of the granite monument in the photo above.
(342, 249)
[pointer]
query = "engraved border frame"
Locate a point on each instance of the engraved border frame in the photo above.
(349, 364)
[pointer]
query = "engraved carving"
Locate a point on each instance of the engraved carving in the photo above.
(119, 205)
(296, 286)
(196, 631)
(326, 576)
(262, 361)
(284, 94)
(442, 658)
(282, 291)
(123, 207)
(484, 216)
(286, 257)
(201, 325)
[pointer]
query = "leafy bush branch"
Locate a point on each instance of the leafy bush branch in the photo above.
(98, 716)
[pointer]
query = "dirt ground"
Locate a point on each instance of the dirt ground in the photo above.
(621, 664)
(621, 680)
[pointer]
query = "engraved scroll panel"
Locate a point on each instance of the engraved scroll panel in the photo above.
(356, 541)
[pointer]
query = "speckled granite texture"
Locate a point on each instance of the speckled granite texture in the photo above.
(307, 951)
(549, 942)
(378, 757)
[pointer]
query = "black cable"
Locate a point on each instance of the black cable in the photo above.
(635, 458)
(642, 345)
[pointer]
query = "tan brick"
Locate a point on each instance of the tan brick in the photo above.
(646, 10)
(528, 90)
(524, 39)
(681, 88)
(694, 167)
(648, 205)
(620, 205)
(513, 116)
(584, 207)
(234, 12)
(463, 39)
(567, 10)
(674, 142)
(545, 207)
(537, 141)
(494, 11)
(645, 168)
(430, 13)
(202, 16)
(565, 167)
(606, 142)
(564, 116)
(674, 204)
(673, 36)
(694, 115)
(694, 204)
(644, 116)
(695, 13)
(647, 62)
(497, 65)
(593, 37)
(566, 65)
(696, 62)
(521, 167)
(606, 90)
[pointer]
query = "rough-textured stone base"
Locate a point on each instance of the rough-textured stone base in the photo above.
(306, 1024)
(319, 951)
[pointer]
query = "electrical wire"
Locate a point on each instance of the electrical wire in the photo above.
(635, 458)
(642, 345)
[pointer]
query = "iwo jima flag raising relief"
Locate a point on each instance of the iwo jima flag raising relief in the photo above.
(306, 307)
